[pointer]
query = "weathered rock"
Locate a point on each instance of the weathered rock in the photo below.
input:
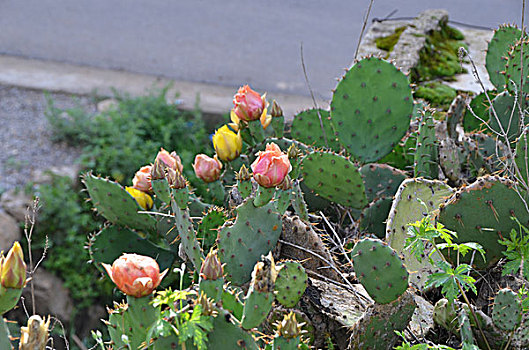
(46, 176)
(51, 297)
(15, 202)
(9, 231)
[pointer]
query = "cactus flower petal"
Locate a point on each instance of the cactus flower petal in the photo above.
(143, 199)
(13, 269)
(227, 143)
(135, 275)
(271, 167)
(206, 168)
(142, 179)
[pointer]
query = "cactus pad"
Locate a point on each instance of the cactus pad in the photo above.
(481, 213)
(376, 329)
(335, 178)
(381, 180)
(373, 217)
(116, 205)
(504, 37)
(306, 128)
(426, 151)
(522, 156)
(481, 107)
(507, 310)
(113, 241)
(510, 121)
(254, 233)
(513, 68)
(380, 270)
(407, 209)
(290, 283)
(227, 335)
(371, 108)
(208, 226)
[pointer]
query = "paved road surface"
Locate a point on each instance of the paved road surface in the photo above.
(227, 42)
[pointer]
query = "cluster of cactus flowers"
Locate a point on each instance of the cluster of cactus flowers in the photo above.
(333, 155)
(352, 159)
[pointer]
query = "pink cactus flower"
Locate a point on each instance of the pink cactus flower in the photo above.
(206, 168)
(142, 179)
(135, 275)
(249, 105)
(169, 160)
(271, 167)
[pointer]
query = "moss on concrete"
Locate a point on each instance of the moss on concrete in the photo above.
(437, 94)
(439, 56)
(387, 43)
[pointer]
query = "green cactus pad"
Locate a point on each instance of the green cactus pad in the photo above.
(212, 288)
(335, 178)
(521, 335)
(113, 241)
(513, 68)
(162, 190)
(481, 108)
(254, 233)
(208, 226)
(117, 205)
(381, 180)
(500, 45)
(188, 236)
(503, 105)
(481, 213)
(306, 128)
(228, 336)
(290, 283)
(507, 310)
(371, 108)
(490, 152)
(257, 305)
(380, 270)
(401, 157)
(426, 151)
(408, 209)
(9, 298)
(376, 329)
(281, 343)
(231, 302)
(374, 216)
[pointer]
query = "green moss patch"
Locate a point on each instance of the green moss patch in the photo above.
(439, 56)
(387, 43)
(437, 94)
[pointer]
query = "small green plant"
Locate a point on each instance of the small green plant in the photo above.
(517, 253)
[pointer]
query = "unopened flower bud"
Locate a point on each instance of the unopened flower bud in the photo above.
(175, 179)
(294, 152)
(211, 267)
(158, 170)
(35, 335)
(171, 160)
(271, 166)
(276, 110)
(13, 269)
(289, 326)
(243, 174)
(207, 304)
(206, 168)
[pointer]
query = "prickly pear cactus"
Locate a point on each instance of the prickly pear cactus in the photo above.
(260, 297)
(407, 208)
(207, 227)
(513, 68)
(335, 178)
(508, 114)
(371, 108)
(522, 157)
(481, 108)
(227, 334)
(426, 151)
(186, 232)
(254, 233)
(113, 241)
(506, 310)
(161, 190)
(373, 217)
(499, 46)
(306, 128)
(376, 329)
(116, 205)
(481, 213)
(380, 270)
(291, 283)
(381, 180)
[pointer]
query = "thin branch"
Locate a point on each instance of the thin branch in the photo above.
(366, 17)
(312, 95)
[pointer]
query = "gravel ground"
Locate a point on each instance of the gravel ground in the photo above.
(25, 144)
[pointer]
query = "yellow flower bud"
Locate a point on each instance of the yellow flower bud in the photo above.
(227, 144)
(142, 198)
(13, 269)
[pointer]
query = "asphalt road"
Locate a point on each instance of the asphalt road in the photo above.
(228, 42)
